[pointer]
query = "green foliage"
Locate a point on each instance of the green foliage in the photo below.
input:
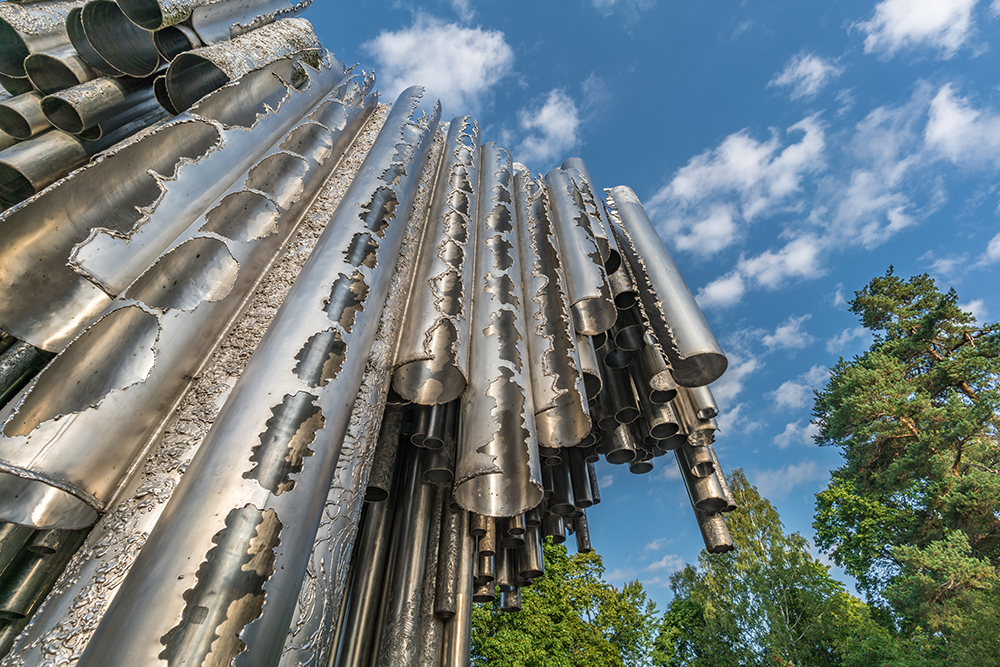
(914, 513)
(569, 617)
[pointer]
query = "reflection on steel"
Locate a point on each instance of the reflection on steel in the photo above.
(528, 329)
(557, 380)
(194, 74)
(497, 469)
(433, 356)
(593, 310)
(29, 29)
(57, 69)
(676, 320)
(285, 418)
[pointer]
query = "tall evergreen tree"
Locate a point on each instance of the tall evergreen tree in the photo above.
(914, 513)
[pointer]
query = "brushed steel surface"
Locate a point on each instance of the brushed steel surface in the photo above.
(33, 28)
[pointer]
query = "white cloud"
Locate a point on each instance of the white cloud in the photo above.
(839, 300)
(977, 307)
(992, 254)
(961, 133)
(776, 484)
(842, 342)
(656, 545)
(796, 434)
(995, 8)
(670, 562)
(741, 365)
(606, 481)
(797, 394)
(458, 65)
(942, 25)
(724, 291)
(739, 419)
(807, 74)
(789, 335)
(464, 9)
(632, 7)
(553, 128)
(799, 258)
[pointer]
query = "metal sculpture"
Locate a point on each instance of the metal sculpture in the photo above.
(313, 374)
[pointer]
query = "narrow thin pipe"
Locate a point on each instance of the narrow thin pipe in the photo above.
(431, 629)
(454, 530)
(457, 638)
(582, 495)
(530, 558)
(595, 487)
(384, 465)
(582, 532)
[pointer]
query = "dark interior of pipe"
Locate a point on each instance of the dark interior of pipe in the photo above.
(14, 187)
(62, 114)
(118, 40)
(162, 96)
(13, 51)
(77, 37)
(48, 74)
(15, 86)
(145, 13)
(190, 78)
(14, 124)
(171, 42)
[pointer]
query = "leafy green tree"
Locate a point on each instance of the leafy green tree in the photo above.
(769, 602)
(569, 617)
(914, 513)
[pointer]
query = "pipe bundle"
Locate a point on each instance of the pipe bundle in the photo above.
(313, 374)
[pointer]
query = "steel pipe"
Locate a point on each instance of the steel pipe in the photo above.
(33, 573)
(58, 69)
(384, 466)
(364, 591)
(497, 472)
(311, 417)
(154, 15)
(198, 72)
(31, 29)
(162, 96)
(557, 380)
(430, 628)
(454, 533)
(562, 490)
(485, 569)
(167, 323)
(15, 85)
(703, 402)
(484, 592)
(623, 402)
(21, 117)
(629, 330)
(457, 638)
(621, 445)
(554, 526)
(174, 40)
(486, 544)
(714, 532)
(582, 495)
(700, 431)
(216, 22)
(18, 364)
(530, 558)
(702, 484)
(432, 362)
(595, 488)
(505, 567)
(592, 308)
(120, 42)
(677, 322)
(12, 539)
(84, 106)
(510, 601)
(78, 38)
(614, 356)
(582, 532)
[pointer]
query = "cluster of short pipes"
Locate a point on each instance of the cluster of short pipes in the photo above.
(535, 328)
(83, 75)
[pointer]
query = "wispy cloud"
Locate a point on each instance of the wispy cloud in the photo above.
(977, 307)
(852, 338)
(552, 128)
(464, 9)
(941, 25)
(776, 484)
(797, 394)
(630, 7)
(790, 335)
(670, 563)
(459, 65)
(959, 132)
(806, 74)
(656, 545)
(797, 434)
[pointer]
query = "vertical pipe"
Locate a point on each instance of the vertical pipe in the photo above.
(595, 488)
(453, 529)
(431, 628)
(715, 532)
(457, 637)
(582, 530)
(582, 495)
(386, 453)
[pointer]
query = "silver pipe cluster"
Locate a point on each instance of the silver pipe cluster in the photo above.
(428, 394)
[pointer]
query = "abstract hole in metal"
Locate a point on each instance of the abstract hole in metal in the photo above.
(363, 251)
(321, 358)
(346, 300)
(280, 176)
(380, 211)
(229, 592)
(284, 445)
(243, 216)
(196, 271)
(311, 140)
(120, 352)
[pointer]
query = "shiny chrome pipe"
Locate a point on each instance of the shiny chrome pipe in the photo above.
(21, 117)
(457, 638)
(589, 366)
(580, 480)
(364, 590)
(700, 432)
(629, 330)
(658, 419)
(505, 567)
(595, 210)
(674, 315)
(595, 489)
(621, 445)
(699, 476)
(613, 356)
(485, 569)
(592, 308)
(196, 73)
(486, 544)
(703, 402)
(29, 29)
(562, 490)
(642, 465)
(119, 42)
(530, 558)
(557, 381)
(510, 533)
(58, 69)
(726, 491)
(431, 628)
(510, 601)
(497, 471)
(88, 104)
(216, 22)
(656, 371)
(166, 323)
(432, 363)
(32, 574)
(162, 96)
(484, 592)
(12, 539)
(106, 223)
(255, 423)
(554, 526)
(454, 536)
(18, 364)
(154, 15)
(622, 398)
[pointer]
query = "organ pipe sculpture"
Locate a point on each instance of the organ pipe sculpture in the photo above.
(290, 377)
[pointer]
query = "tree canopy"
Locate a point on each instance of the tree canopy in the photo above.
(569, 617)
(914, 512)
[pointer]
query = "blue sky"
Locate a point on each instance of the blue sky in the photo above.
(788, 151)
